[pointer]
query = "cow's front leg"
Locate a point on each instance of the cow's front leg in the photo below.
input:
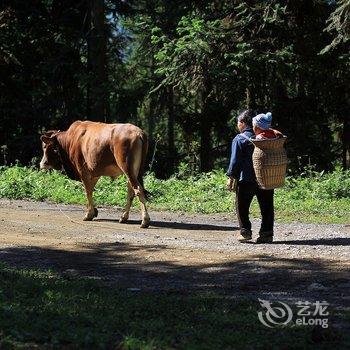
(131, 195)
(89, 185)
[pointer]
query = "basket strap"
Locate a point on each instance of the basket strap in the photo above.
(247, 138)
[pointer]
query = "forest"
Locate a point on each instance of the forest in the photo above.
(181, 70)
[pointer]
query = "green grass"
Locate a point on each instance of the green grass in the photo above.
(42, 310)
(317, 197)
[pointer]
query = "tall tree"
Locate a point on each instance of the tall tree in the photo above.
(339, 25)
(97, 91)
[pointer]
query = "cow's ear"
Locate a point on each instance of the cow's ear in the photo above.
(44, 139)
(47, 139)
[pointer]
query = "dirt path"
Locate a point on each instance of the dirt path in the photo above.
(178, 252)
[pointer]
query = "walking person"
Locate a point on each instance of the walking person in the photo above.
(241, 178)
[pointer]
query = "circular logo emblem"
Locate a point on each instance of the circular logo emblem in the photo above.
(274, 315)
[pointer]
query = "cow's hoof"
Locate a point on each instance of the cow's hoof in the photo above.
(90, 216)
(123, 220)
(145, 224)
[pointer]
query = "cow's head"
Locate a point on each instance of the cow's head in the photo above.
(51, 156)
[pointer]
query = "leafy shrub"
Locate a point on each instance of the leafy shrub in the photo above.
(320, 197)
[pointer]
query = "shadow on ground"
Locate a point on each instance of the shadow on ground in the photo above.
(254, 276)
(178, 225)
(45, 311)
(340, 241)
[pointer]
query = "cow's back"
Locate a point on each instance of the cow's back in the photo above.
(92, 145)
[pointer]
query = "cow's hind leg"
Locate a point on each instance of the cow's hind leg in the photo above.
(137, 190)
(145, 217)
(131, 195)
(129, 162)
(89, 184)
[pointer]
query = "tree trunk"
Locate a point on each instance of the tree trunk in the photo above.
(205, 150)
(346, 142)
(248, 98)
(97, 94)
(171, 122)
(150, 117)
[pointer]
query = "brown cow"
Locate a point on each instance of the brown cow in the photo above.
(88, 150)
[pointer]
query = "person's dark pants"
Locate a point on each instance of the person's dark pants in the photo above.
(244, 195)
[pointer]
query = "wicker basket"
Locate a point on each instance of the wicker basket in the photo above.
(270, 162)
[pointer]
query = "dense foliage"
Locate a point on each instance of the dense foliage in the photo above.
(181, 70)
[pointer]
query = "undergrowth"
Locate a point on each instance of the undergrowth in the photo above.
(312, 197)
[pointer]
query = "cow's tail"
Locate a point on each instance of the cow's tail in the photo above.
(144, 140)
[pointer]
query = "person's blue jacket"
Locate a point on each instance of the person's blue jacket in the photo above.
(241, 162)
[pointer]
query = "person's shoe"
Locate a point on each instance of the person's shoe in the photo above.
(246, 235)
(264, 239)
